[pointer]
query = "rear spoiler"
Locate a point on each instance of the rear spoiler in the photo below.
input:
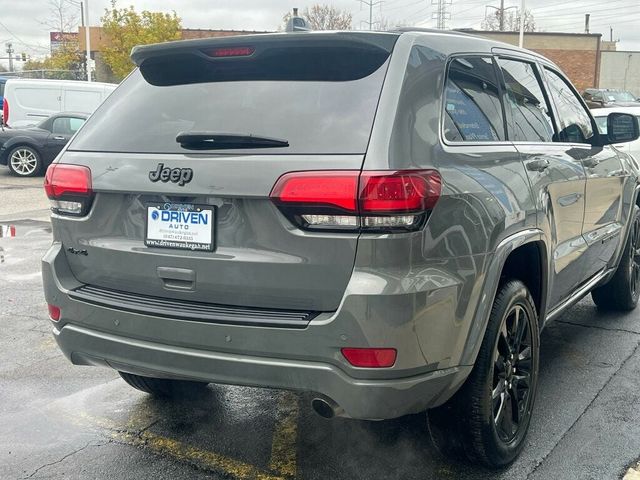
(312, 56)
(379, 40)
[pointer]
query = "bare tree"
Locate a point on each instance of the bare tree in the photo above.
(511, 21)
(63, 15)
(325, 17)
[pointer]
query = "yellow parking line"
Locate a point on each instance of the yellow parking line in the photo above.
(181, 451)
(283, 448)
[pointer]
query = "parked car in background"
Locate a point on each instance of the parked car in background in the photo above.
(601, 114)
(608, 97)
(389, 230)
(28, 101)
(28, 151)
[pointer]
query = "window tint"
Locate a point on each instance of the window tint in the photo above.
(66, 125)
(472, 102)
(530, 118)
(313, 116)
(574, 122)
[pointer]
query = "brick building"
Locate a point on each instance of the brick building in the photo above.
(577, 54)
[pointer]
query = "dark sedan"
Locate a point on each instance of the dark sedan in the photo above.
(28, 151)
(609, 97)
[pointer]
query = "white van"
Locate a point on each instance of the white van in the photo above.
(27, 102)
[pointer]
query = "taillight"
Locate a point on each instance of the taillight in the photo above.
(370, 357)
(5, 111)
(351, 200)
(69, 189)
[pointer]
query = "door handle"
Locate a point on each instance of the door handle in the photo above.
(539, 165)
(591, 162)
(59, 138)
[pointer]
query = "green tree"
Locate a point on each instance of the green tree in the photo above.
(66, 63)
(125, 28)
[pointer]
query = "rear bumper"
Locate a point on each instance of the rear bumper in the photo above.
(420, 323)
(366, 399)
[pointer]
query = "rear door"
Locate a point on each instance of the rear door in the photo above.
(557, 177)
(602, 225)
(318, 93)
(81, 99)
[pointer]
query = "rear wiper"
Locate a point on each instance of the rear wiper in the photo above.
(222, 141)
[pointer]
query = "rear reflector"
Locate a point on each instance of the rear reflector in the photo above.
(230, 52)
(69, 188)
(54, 312)
(351, 200)
(370, 357)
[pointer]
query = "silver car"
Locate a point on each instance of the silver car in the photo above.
(387, 220)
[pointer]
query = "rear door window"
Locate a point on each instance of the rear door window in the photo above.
(319, 101)
(530, 113)
(574, 122)
(473, 111)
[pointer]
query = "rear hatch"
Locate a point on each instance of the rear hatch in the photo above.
(196, 138)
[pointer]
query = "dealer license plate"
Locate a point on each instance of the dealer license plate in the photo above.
(180, 225)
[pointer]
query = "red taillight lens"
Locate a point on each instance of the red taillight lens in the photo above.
(69, 188)
(54, 312)
(404, 191)
(330, 188)
(64, 179)
(351, 200)
(5, 111)
(230, 52)
(370, 357)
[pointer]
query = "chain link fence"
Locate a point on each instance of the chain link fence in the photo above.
(48, 74)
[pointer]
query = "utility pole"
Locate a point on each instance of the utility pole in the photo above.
(501, 10)
(523, 13)
(87, 39)
(10, 51)
(441, 15)
(370, 4)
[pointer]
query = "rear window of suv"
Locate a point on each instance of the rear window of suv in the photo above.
(319, 102)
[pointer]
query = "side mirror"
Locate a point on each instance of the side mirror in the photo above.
(622, 127)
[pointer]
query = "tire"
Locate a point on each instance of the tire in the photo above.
(477, 423)
(24, 161)
(162, 387)
(622, 291)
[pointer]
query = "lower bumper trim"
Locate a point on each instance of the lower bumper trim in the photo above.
(362, 399)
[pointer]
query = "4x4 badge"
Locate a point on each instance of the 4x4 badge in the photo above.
(175, 175)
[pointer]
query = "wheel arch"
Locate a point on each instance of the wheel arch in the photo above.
(511, 256)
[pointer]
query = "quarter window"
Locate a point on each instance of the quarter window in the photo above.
(530, 113)
(473, 111)
(574, 122)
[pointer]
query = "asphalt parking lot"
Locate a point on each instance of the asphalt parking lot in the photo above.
(62, 421)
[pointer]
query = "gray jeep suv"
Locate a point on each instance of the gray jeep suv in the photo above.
(386, 220)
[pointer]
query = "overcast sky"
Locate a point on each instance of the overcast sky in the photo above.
(22, 21)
